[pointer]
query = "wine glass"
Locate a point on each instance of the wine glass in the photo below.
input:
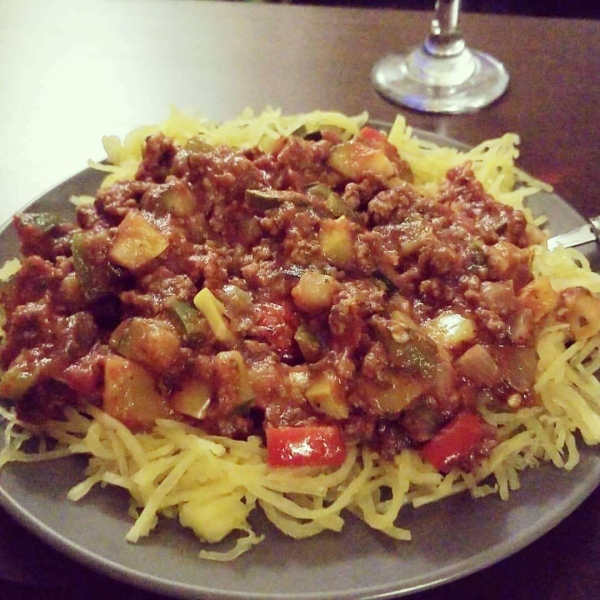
(443, 75)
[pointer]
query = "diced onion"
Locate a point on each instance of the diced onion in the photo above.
(479, 366)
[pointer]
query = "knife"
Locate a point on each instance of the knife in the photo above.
(576, 237)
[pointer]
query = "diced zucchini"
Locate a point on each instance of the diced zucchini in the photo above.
(239, 301)
(356, 160)
(309, 343)
(97, 275)
(326, 395)
(178, 200)
(450, 329)
(214, 311)
(130, 394)
(188, 320)
(338, 208)
(408, 347)
(81, 265)
(266, 199)
(45, 222)
(192, 399)
(336, 241)
(137, 242)
(415, 232)
(263, 200)
(392, 397)
(147, 341)
(419, 355)
(315, 292)
(320, 190)
(518, 365)
(334, 204)
(232, 370)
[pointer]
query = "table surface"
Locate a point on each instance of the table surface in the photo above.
(74, 71)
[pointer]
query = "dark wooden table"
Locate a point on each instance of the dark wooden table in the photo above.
(73, 71)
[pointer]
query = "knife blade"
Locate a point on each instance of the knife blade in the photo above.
(588, 232)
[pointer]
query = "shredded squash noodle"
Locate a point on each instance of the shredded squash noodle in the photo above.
(212, 483)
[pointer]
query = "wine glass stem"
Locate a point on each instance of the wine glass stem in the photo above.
(446, 16)
(445, 38)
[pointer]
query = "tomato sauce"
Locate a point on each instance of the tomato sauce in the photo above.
(339, 298)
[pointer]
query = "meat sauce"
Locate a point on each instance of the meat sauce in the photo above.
(311, 286)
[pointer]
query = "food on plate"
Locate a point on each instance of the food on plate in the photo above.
(302, 313)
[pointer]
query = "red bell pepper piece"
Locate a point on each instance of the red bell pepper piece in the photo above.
(313, 445)
(371, 134)
(456, 440)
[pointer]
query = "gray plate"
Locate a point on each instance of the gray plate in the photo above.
(451, 539)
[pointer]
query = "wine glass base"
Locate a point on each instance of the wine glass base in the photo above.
(394, 80)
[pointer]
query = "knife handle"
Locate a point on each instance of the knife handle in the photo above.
(595, 225)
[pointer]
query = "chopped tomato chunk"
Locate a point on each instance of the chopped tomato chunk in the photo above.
(455, 441)
(276, 324)
(315, 446)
